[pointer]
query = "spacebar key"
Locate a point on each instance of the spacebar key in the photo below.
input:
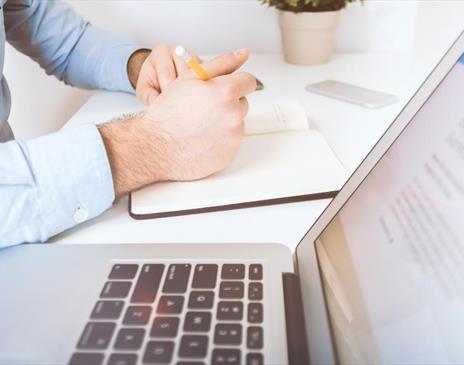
(148, 283)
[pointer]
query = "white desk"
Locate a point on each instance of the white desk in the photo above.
(350, 130)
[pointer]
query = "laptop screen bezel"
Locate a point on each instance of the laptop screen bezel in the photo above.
(316, 314)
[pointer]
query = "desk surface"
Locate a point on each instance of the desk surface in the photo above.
(351, 131)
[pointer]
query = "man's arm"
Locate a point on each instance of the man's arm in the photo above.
(192, 130)
(82, 55)
(67, 46)
(52, 183)
(134, 65)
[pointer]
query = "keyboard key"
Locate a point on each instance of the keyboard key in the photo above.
(201, 300)
(190, 363)
(226, 357)
(115, 289)
(177, 278)
(230, 311)
(254, 359)
(197, 322)
(255, 337)
(96, 335)
(255, 272)
(158, 352)
(255, 313)
(165, 327)
(255, 291)
(205, 276)
(107, 309)
(193, 346)
(122, 359)
(147, 283)
(170, 304)
(129, 339)
(228, 334)
(233, 271)
(80, 358)
(123, 271)
(231, 290)
(137, 315)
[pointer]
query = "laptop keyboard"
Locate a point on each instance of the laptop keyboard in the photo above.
(191, 314)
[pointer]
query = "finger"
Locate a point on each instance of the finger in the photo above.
(152, 94)
(180, 64)
(147, 94)
(226, 64)
(164, 65)
(244, 107)
(148, 86)
(238, 85)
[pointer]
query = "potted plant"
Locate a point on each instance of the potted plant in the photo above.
(308, 28)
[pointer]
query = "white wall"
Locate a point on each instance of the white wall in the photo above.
(41, 104)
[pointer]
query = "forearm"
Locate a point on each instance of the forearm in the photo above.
(67, 46)
(99, 60)
(136, 151)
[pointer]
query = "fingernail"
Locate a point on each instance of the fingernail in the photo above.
(240, 52)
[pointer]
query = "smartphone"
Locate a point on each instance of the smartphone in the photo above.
(352, 94)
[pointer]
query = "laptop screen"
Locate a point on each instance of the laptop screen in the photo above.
(392, 260)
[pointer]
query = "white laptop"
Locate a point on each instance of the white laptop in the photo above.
(379, 278)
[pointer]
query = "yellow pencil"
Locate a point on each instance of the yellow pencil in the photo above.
(192, 62)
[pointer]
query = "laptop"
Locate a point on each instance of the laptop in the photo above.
(378, 279)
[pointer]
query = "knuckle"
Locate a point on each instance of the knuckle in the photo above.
(226, 63)
(246, 105)
(230, 90)
(234, 145)
(139, 92)
(160, 50)
(163, 47)
(236, 119)
(240, 131)
(229, 62)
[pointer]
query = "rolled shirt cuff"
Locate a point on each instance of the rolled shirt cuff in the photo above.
(115, 71)
(72, 177)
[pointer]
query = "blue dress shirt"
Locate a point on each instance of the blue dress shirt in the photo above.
(52, 183)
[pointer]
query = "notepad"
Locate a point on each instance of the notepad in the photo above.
(280, 160)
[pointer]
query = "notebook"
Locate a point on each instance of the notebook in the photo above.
(280, 160)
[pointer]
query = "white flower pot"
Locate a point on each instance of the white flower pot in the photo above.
(308, 38)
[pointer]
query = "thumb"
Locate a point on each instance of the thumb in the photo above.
(227, 63)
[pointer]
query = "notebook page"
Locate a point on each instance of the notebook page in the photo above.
(280, 115)
(268, 166)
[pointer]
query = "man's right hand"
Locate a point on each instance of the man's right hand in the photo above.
(192, 130)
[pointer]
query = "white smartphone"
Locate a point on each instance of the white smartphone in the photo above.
(352, 94)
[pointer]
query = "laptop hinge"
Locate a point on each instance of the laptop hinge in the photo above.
(296, 331)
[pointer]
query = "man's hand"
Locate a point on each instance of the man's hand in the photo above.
(135, 63)
(190, 131)
(152, 72)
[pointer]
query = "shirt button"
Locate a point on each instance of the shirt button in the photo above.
(80, 215)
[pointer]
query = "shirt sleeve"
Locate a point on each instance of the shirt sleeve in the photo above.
(52, 183)
(67, 46)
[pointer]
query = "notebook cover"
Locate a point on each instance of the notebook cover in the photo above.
(251, 204)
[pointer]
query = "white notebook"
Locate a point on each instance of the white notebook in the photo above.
(280, 160)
